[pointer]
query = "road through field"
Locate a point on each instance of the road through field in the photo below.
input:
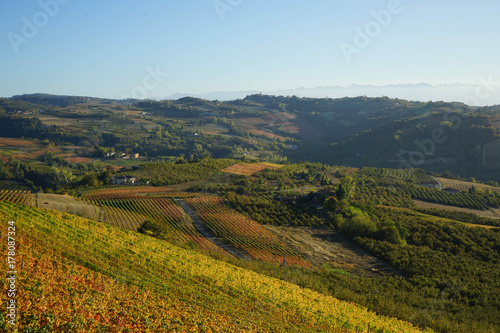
(201, 229)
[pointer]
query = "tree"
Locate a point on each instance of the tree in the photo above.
(346, 188)
(158, 134)
(330, 203)
(358, 225)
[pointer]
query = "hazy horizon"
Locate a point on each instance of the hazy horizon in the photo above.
(156, 49)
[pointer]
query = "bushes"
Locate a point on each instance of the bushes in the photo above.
(358, 225)
(149, 228)
(266, 210)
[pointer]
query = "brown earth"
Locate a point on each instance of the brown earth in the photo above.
(325, 246)
(84, 160)
(267, 134)
(15, 142)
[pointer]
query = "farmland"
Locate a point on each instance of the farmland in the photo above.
(352, 232)
(66, 204)
(490, 213)
(243, 233)
(461, 185)
(88, 289)
(134, 192)
(249, 169)
(166, 215)
(20, 197)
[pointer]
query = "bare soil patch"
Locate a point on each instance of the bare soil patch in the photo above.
(15, 142)
(325, 246)
(267, 134)
(250, 169)
(84, 160)
(53, 120)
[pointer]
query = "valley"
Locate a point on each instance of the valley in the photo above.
(296, 190)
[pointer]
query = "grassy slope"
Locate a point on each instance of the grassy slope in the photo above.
(87, 276)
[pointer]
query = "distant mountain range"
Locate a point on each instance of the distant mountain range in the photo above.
(480, 94)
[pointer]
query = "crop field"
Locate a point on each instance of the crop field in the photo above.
(490, 213)
(117, 281)
(465, 186)
(20, 149)
(65, 204)
(396, 175)
(250, 169)
(21, 197)
(135, 192)
(462, 199)
(243, 233)
(130, 214)
(60, 121)
(9, 142)
(77, 159)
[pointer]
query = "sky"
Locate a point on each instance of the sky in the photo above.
(155, 48)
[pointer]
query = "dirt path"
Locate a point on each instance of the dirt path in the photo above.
(326, 246)
(201, 229)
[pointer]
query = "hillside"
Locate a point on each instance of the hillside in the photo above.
(75, 274)
(360, 131)
(214, 178)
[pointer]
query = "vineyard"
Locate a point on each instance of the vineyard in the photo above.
(465, 186)
(462, 199)
(176, 226)
(132, 192)
(397, 175)
(250, 169)
(21, 197)
(77, 275)
(243, 233)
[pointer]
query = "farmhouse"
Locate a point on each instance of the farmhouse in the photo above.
(123, 180)
(432, 184)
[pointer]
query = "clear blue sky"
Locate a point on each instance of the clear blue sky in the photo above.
(105, 48)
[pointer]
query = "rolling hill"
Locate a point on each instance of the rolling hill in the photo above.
(79, 275)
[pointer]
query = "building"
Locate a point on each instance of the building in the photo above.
(123, 180)
(432, 184)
